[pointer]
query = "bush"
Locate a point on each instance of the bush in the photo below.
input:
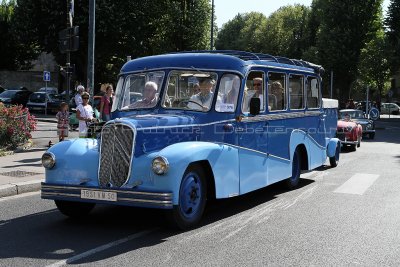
(16, 125)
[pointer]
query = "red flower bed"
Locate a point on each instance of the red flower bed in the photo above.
(16, 125)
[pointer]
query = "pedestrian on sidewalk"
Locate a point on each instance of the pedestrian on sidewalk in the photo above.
(84, 113)
(106, 103)
(62, 121)
(78, 97)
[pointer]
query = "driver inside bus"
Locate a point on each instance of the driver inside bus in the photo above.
(202, 100)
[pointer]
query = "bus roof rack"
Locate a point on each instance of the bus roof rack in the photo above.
(244, 55)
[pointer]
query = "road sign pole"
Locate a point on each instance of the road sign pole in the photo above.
(45, 101)
(366, 104)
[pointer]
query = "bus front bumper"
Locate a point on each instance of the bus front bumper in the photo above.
(120, 196)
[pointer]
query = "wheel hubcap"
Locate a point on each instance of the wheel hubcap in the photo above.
(190, 195)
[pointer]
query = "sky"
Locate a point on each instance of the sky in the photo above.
(226, 10)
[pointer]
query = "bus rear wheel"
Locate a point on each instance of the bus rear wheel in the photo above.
(335, 159)
(293, 181)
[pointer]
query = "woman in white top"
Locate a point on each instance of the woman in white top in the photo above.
(84, 113)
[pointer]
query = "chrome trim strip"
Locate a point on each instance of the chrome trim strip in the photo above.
(55, 187)
(252, 150)
(158, 202)
(309, 136)
(186, 125)
(282, 116)
(57, 194)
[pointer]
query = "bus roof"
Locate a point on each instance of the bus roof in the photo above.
(238, 61)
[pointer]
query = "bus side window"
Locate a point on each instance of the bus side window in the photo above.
(313, 92)
(276, 91)
(296, 91)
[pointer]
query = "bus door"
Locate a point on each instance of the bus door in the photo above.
(317, 119)
(253, 135)
(279, 128)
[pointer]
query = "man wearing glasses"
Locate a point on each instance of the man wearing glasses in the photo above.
(84, 113)
(258, 92)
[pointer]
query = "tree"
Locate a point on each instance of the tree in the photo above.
(285, 31)
(8, 46)
(344, 30)
(243, 32)
(393, 32)
(374, 66)
(135, 28)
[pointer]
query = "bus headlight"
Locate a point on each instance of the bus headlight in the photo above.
(160, 165)
(48, 160)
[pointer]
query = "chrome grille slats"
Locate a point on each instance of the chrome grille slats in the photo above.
(116, 152)
(123, 142)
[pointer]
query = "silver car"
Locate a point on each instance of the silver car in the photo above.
(390, 108)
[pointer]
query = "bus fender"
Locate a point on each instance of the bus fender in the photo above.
(331, 148)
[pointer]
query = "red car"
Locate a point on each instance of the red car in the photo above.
(349, 133)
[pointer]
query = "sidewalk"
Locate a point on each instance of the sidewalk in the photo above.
(21, 172)
(46, 118)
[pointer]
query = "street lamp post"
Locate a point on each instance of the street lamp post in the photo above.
(91, 43)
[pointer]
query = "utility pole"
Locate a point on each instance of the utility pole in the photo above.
(70, 7)
(91, 43)
(212, 26)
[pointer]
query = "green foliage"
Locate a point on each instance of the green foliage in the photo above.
(393, 32)
(345, 29)
(8, 49)
(135, 28)
(374, 66)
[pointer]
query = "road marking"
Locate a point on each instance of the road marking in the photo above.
(19, 196)
(101, 248)
(357, 184)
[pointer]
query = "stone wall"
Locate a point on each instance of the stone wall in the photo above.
(33, 80)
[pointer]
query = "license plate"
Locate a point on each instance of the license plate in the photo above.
(98, 195)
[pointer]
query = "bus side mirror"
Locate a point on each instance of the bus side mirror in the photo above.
(255, 106)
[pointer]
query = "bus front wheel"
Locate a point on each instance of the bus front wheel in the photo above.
(192, 199)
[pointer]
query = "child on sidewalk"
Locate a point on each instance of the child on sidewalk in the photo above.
(62, 121)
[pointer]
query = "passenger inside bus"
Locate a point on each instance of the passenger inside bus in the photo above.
(277, 97)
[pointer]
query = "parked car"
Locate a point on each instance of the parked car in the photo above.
(15, 97)
(390, 108)
(358, 116)
(37, 102)
(349, 133)
(49, 90)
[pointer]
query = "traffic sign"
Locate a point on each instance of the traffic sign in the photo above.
(390, 93)
(374, 114)
(46, 76)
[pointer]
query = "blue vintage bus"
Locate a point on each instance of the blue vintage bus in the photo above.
(192, 126)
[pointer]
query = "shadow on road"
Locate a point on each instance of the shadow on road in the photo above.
(51, 236)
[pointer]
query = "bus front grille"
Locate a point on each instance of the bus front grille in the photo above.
(116, 151)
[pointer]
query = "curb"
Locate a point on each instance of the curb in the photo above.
(46, 120)
(20, 188)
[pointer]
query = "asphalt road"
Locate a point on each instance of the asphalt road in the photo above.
(345, 216)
